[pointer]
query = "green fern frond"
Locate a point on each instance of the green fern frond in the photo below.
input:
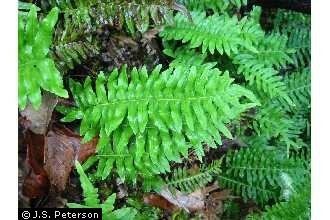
(271, 52)
(272, 121)
(24, 8)
(72, 53)
(185, 56)
(215, 33)
(290, 136)
(90, 193)
(91, 200)
(215, 5)
(161, 115)
(255, 173)
(297, 26)
(298, 207)
(299, 89)
(189, 182)
(300, 40)
(35, 69)
(259, 67)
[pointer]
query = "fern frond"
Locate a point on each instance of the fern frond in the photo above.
(298, 207)
(135, 15)
(255, 173)
(300, 40)
(72, 53)
(215, 5)
(272, 121)
(90, 193)
(185, 56)
(299, 89)
(160, 111)
(91, 200)
(293, 130)
(271, 52)
(259, 67)
(297, 26)
(35, 69)
(217, 32)
(189, 182)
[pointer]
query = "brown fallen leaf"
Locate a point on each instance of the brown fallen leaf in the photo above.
(62, 148)
(50, 159)
(38, 120)
(36, 183)
(214, 204)
(159, 202)
(189, 202)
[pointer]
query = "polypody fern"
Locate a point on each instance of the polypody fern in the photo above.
(92, 201)
(35, 68)
(157, 117)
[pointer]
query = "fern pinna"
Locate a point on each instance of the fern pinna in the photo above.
(189, 181)
(255, 173)
(91, 200)
(130, 15)
(215, 5)
(156, 118)
(257, 55)
(297, 207)
(35, 68)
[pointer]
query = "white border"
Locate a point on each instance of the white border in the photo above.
(320, 109)
(8, 111)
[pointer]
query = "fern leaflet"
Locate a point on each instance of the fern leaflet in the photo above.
(35, 68)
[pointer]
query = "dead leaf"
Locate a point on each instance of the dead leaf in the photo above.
(172, 200)
(62, 148)
(51, 158)
(36, 183)
(189, 202)
(38, 120)
(159, 202)
(214, 204)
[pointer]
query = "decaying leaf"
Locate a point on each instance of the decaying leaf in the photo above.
(159, 202)
(172, 200)
(51, 159)
(36, 183)
(38, 120)
(189, 202)
(62, 147)
(214, 204)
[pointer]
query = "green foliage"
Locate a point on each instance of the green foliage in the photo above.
(298, 207)
(91, 200)
(72, 53)
(256, 173)
(225, 78)
(257, 56)
(215, 33)
(299, 89)
(259, 67)
(36, 70)
(184, 56)
(144, 211)
(297, 26)
(152, 116)
(188, 182)
(273, 122)
(215, 5)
